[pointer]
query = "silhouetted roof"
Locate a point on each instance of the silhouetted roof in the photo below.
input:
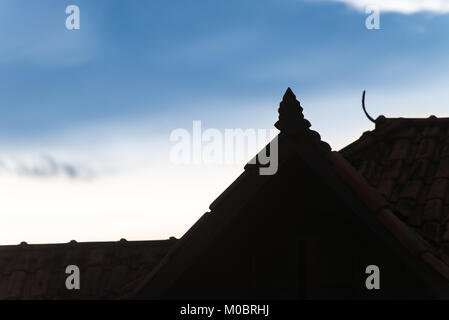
(399, 172)
(407, 161)
(392, 140)
(107, 269)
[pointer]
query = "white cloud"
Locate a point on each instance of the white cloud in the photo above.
(401, 6)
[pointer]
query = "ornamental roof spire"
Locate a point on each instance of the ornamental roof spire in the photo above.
(291, 119)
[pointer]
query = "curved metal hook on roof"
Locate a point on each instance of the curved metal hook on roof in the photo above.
(364, 109)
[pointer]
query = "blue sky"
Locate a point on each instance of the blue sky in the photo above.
(104, 99)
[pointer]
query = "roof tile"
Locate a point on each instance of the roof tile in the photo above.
(415, 220)
(40, 283)
(7, 262)
(433, 210)
(400, 149)
(97, 257)
(439, 189)
(393, 169)
(444, 253)
(409, 132)
(92, 278)
(445, 214)
(405, 207)
(445, 238)
(27, 285)
(56, 283)
(16, 284)
(371, 171)
(426, 149)
(443, 169)
(445, 149)
(4, 286)
(412, 189)
(386, 188)
(432, 230)
(433, 131)
(418, 169)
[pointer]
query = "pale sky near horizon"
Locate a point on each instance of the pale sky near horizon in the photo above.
(87, 114)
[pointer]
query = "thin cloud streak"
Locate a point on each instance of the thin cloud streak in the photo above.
(401, 6)
(44, 166)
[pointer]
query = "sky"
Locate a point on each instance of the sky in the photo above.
(87, 115)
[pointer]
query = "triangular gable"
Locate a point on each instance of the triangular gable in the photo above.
(334, 170)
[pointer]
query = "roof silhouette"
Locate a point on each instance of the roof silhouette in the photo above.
(399, 171)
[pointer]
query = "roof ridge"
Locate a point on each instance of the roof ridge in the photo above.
(384, 127)
(32, 246)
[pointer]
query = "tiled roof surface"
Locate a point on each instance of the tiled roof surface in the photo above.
(107, 269)
(407, 161)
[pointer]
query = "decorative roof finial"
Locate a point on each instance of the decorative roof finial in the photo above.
(291, 119)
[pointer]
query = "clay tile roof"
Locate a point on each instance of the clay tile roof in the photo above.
(107, 269)
(407, 162)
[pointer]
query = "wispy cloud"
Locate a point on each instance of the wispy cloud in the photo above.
(44, 166)
(401, 6)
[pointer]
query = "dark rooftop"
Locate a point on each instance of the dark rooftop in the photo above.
(108, 269)
(407, 160)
